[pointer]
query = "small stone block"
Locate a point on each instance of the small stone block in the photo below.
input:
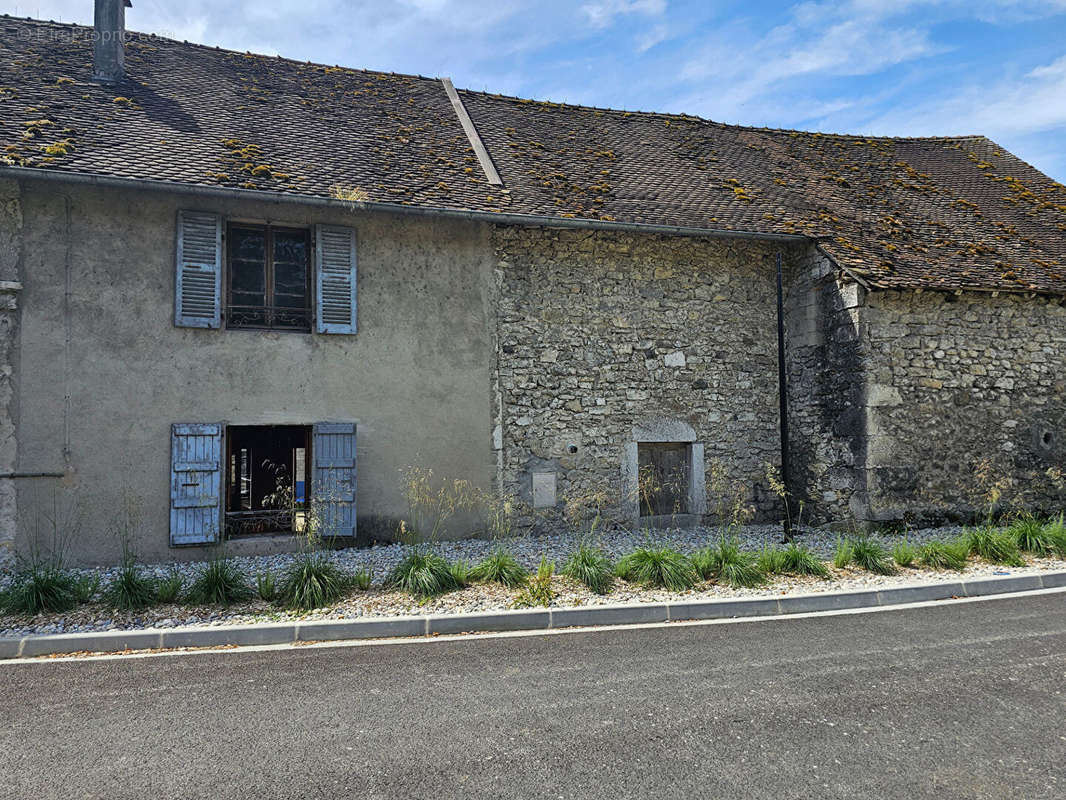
(340, 630)
(243, 635)
(723, 609)
(9, 648)
(826, 602)
(920, 594)
(1017, 583)
(1053, 580)
(95, 642)
(610, 615)
(499, 621)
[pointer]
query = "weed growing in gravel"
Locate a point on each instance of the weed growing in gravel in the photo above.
(169, 588)
(944, 555)
(266, 586)
(86, 587)
(431, 503)
(362, 579)
(312, 580)
(538, 590)
(592, 567)
(460, 573)
(130, 589)
(872, 556)
(730, 565)
(500, 567)
(904, 553)
(844, 553)
(1030, 535)
(658, 566)
(423, 574)
(997, 546)
(220, 582)
(771, 560)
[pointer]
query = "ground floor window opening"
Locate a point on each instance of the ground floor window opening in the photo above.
(664, 478)
(267, 479)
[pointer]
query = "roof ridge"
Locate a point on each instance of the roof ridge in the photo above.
(214, 48)
(515, 98)
(733, 125)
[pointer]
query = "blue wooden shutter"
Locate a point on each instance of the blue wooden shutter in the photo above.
(334, 478)
(195, 483)
(335, 279)
(198, 298)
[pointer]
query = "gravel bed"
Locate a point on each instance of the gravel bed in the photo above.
(381, 558)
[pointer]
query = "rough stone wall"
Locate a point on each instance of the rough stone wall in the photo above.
(955, 380)
(10, 255)
(599, 333)
(825, 351)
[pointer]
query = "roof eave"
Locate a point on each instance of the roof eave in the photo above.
(499, 218)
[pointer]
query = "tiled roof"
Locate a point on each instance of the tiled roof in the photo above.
(938, 213)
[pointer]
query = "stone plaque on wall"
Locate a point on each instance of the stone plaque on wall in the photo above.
(543, 490)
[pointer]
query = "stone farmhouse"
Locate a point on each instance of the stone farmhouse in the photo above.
(225, 274)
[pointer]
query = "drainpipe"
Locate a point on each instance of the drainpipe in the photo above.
(782, 392)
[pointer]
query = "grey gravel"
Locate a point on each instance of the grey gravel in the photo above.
(528, 550)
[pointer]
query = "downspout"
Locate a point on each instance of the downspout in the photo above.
(782, 391)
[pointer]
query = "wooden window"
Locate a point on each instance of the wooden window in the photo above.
(269, 277)
(664, 469)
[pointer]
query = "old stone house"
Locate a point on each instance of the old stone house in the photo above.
(223, 274)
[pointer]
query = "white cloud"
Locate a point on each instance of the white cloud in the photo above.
(602, 13)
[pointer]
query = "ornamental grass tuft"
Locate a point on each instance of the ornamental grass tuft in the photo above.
(944, 555)
(130, 589)
(658, 566)
(41, 587)
(313, 580)
(1031, 535)
(872, 556)
(220, 582)
(730, 565)
(592, 567)
(1056, 532)
(423, 574)
(500, 567)
(997, 546)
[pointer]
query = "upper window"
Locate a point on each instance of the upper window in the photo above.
(269, 271)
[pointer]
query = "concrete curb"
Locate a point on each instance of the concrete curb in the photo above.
(532, 619)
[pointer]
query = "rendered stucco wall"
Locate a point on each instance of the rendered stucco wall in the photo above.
(10, 285)
(416, 377)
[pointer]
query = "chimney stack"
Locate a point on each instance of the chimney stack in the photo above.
(109, 40)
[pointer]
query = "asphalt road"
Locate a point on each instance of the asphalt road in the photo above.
(953, 701)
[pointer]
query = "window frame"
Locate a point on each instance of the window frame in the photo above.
(269, 230)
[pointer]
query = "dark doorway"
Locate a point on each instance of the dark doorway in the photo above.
(267, 478)
(663, 470)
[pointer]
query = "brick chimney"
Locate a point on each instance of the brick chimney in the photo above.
(109, 40)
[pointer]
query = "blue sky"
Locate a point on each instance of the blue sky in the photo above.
(891, 67)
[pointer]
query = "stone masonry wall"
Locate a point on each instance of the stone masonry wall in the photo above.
(598, 333)
(826, 350)
(955, 380)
